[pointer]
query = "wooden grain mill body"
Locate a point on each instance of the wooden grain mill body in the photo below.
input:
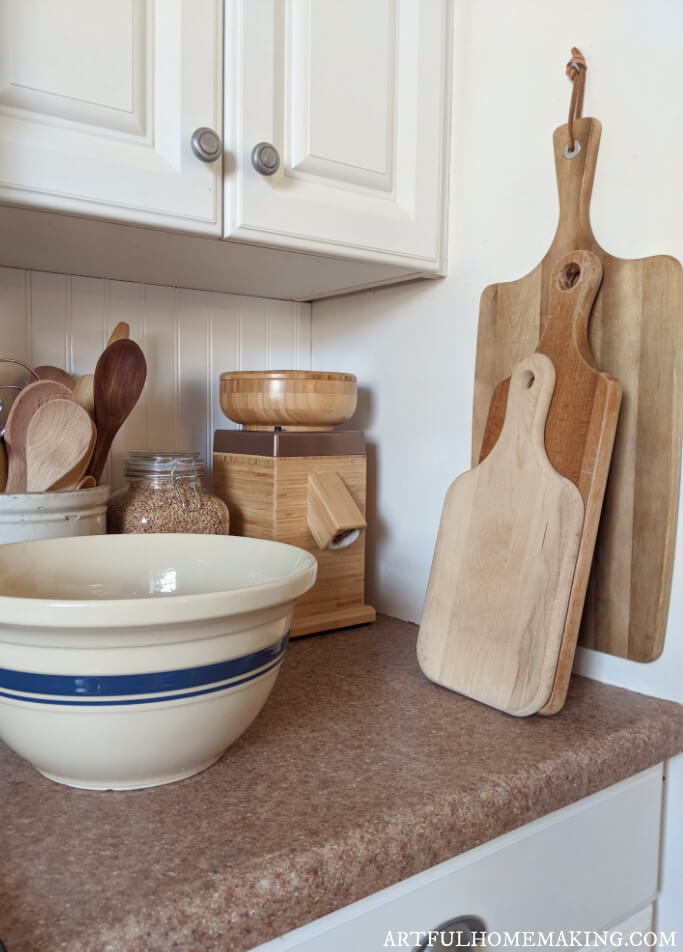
(307, 489)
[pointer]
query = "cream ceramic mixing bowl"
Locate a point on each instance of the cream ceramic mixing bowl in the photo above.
(134, 660)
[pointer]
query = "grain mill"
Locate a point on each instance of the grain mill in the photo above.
(288, 475)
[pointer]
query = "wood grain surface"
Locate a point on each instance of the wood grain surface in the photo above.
(3, 466)
(504, 562)
(83, 393)
(581, 425)
(332, 513)
(296, 400)
(59, 442)
(120, 332)
(48, 372)
(635, 335)
(268, 498)
(119, 377)
(29, 400)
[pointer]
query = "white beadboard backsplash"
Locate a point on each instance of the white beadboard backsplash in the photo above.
(189, 338)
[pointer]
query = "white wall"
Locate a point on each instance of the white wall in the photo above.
(189, 338)
(413, 348)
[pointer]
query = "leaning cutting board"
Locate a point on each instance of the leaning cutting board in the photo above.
(504, 562)
(636, 336)
(581, 425)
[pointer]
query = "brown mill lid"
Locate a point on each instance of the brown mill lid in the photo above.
(283, 443)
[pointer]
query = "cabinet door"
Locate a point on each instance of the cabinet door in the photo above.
(354, 97)
(98, 103)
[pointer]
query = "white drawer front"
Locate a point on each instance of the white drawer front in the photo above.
(632, 932)
(584, 868)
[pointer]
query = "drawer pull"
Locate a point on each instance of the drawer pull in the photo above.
(463, 932)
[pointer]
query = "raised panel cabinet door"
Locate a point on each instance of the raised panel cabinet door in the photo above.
(98, 104)
(354, 98)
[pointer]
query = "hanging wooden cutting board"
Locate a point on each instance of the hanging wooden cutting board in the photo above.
(636, 336)
(580, 429)
(504, 562)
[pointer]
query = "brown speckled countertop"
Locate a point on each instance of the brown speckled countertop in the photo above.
(357, 774)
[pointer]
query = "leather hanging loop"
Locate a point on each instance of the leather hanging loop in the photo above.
(576, 70)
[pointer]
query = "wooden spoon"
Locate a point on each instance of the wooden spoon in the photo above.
(119, 378)
(83, 393)
(88, 482)
(120, 332)
(47, 372)
(83, 387)
(33, 396)
(59, 444)
(3, 466)
(76, 475)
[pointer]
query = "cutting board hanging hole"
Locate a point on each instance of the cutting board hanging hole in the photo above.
(569, 275)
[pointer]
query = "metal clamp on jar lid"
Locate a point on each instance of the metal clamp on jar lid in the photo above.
(181, 468)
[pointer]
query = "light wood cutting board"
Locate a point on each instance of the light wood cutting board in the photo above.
(636, 336)
(580, 429)
(504, 562)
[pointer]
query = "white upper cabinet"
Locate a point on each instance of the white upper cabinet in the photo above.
(353, 96)
(98, 103)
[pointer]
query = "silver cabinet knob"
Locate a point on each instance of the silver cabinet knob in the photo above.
(206, 144)
(265, 158)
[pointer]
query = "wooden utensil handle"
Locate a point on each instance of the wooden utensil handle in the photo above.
(99, 456)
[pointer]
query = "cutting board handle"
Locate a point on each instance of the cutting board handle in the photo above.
(531, 390)
(574, 283)
(575, 184)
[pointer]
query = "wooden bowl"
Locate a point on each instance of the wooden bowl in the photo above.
(291, 399)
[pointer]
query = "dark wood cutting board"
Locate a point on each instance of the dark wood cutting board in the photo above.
(636, 336)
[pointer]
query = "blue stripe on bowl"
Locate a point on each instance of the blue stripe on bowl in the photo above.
(140, 700)
(75, 689)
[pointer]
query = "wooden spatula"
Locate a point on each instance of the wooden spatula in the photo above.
(636, 335)
(59, 442)
(119, 378)
(29, 400)
(504, 562)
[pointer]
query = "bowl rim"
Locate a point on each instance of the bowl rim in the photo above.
(155, 610)
(293, 375)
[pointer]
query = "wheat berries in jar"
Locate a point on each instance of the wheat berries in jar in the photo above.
(165, 494)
